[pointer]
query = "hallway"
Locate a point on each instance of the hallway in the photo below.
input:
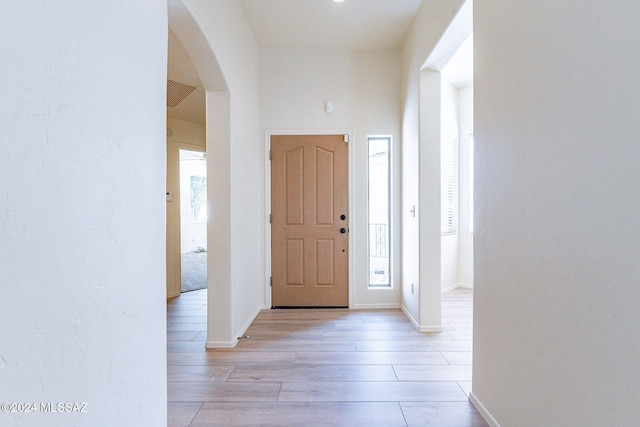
(322, 368)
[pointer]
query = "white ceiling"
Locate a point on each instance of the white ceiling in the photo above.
(319, 24)
(350, 25)
(180, 68)
(459, 70)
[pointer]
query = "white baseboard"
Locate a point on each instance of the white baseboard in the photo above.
(234, 342)
(456, 286)
(483, 411)
(420, 328)
(221, 344)
(249, 322)
(409, 316)
(450, 288)
(431, 328)
(374, 306)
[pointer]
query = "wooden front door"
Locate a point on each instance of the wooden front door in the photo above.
(309, 222)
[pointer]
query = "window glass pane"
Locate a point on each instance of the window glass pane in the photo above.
(379, 218)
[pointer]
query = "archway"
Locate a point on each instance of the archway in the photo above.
(188, 31)
(430, 124)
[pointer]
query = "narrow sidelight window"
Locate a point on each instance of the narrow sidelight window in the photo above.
(379, 148)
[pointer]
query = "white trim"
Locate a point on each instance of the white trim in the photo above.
(392, 219)
(375, 306)
(429, 328)
(221, 344)
(483, 411)
(267, 217)
(421, 328)
(450, 288)
(409, 316)
(268, 133)
(233, 343)
(457, 286)
(246, 326)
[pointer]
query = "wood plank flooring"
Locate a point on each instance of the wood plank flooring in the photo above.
(322, 368)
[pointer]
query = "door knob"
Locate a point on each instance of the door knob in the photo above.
(343, 230)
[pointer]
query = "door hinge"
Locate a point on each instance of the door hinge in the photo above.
(271, 281)
(270, 218)
(269, 154)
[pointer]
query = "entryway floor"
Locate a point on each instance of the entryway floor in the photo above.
(322, 368)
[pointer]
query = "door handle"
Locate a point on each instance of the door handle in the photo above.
(343, 230)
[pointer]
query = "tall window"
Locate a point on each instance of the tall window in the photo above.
(449, 182)
(379, 211)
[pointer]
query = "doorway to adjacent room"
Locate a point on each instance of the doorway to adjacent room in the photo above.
(193, 220)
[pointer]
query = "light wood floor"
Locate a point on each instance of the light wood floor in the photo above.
(322, 368)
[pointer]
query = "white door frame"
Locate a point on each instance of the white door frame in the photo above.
(267, 202)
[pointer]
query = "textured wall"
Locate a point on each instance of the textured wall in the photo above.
(82, 159)
(558, 212)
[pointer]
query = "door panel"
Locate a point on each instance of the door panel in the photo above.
(294, 168)
(309, 193)
(325, 194)
(295, 262)
(325, 250)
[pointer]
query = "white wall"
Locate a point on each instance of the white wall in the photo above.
(235, 167)
(429, 202)
(184, 132)
(365, 90)
(82, 218)
(432, 20)
(465, 238)
(558, 213)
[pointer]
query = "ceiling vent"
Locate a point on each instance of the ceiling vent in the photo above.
(177, 92)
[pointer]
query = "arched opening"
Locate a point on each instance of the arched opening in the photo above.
(439, 113)
(186, 213)
(187, 30)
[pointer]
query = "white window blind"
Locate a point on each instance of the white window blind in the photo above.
(449, 182)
